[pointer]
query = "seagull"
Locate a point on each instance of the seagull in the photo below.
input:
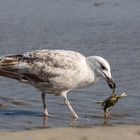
(56, 72)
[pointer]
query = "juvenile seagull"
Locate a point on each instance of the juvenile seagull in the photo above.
(56, 72)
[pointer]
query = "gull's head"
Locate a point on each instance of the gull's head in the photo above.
(102, 68)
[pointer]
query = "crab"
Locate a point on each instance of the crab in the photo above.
(111, 101)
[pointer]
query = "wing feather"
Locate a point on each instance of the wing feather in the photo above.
(57, 69)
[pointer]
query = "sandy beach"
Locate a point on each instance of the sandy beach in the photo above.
(98, 133)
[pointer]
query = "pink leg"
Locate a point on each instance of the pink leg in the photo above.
(45, 112)
(71, 109)
(64, 94)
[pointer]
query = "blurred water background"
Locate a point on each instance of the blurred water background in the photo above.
(108, 28)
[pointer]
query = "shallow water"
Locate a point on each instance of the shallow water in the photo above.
(109, 29)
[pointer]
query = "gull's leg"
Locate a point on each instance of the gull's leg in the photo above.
(45, 112)
(64, 94)
(71, 109)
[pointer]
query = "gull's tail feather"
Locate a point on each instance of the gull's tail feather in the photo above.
(9, 59)
(9, 74)
(10, 65)
(10, 62)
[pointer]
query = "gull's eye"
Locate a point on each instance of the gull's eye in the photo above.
(103, 67)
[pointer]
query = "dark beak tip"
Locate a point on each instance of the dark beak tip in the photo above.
(112, 85)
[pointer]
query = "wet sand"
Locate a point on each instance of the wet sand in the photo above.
(98, 133)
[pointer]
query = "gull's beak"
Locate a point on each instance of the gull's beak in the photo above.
(110, 82)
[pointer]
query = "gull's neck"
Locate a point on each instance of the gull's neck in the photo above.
(93, 65)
